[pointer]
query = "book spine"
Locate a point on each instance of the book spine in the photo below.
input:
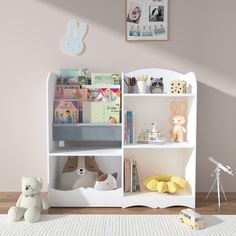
(125, 127)
(128, 127)
(134, 174)
(131, 176)
(133, 127)
(127, 175)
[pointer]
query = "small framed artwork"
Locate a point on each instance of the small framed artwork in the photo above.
(147, 20)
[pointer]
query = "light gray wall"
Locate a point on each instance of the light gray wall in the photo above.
(202, 39)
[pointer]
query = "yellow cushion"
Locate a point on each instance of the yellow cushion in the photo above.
(172, 187)
(152, 185)
(179, 181)
(156, 177)
(162, 187)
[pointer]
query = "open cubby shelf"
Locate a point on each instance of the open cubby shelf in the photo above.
(106, 143)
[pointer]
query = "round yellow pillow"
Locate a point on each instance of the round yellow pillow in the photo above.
(179, 181)
(172, 187)
(152, 185)
(162, 187)
(156, 177)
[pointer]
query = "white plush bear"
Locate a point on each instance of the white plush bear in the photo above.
(30, 203)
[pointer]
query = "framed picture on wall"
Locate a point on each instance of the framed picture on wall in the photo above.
(147, 20)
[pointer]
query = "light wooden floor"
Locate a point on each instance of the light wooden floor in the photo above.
(203, 207)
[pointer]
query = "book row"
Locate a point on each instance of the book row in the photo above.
(77, 102)
(131, 180)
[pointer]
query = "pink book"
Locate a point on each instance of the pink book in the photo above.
(127, 174)
(71, 92)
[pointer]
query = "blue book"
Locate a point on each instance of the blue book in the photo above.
(128, 127)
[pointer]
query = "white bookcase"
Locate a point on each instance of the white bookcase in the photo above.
(107, 145)
(169, 158)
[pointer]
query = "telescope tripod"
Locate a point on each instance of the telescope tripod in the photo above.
(219, 185)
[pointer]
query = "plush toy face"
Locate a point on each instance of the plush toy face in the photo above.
(31, 185)
(157, 85)
(178, 120)
(87, 172)
(106, 181)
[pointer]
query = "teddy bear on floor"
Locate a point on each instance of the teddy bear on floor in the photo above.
(30, 203)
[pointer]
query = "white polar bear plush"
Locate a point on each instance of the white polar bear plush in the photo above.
(30, 203)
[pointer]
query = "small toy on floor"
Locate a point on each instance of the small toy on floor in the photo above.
(30, 203)
(192, 218)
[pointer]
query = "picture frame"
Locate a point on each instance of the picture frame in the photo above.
(146, 20)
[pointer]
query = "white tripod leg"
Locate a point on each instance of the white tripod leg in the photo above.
(223, 192)
(211, 189)
(218, 186)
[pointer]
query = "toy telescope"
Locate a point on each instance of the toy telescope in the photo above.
(217, 181)
(224, 168)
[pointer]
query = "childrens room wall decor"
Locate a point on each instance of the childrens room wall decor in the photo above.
(147, 19)
(73, 42)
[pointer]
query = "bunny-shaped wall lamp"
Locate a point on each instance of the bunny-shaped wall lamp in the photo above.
(73, 43)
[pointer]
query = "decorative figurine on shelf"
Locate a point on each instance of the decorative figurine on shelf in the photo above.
(156, 85)
(178, 86)
(151, 137)
(178, 120)
(30, 203)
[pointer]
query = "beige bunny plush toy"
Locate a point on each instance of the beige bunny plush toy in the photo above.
(178, 121)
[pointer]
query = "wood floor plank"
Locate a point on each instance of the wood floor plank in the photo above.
(209, 207)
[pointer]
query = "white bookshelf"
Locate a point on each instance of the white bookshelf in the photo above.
(167, 158)
(170, 158)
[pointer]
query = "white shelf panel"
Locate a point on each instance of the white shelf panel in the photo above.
(158, 95)
(160, 146)
(82, 197)
(158, 200)
(87, 125)
(86, 151)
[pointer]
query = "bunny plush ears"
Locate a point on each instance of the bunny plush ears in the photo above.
(182, 108)
(73, 42)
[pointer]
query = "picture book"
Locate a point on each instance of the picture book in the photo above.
(66, 111)
(101, 112)
(111, 113)
(71, 92)
(131, 177)
(127, 174)
(74, 76)
(105, 78)
(93, 112)
(104, 94)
